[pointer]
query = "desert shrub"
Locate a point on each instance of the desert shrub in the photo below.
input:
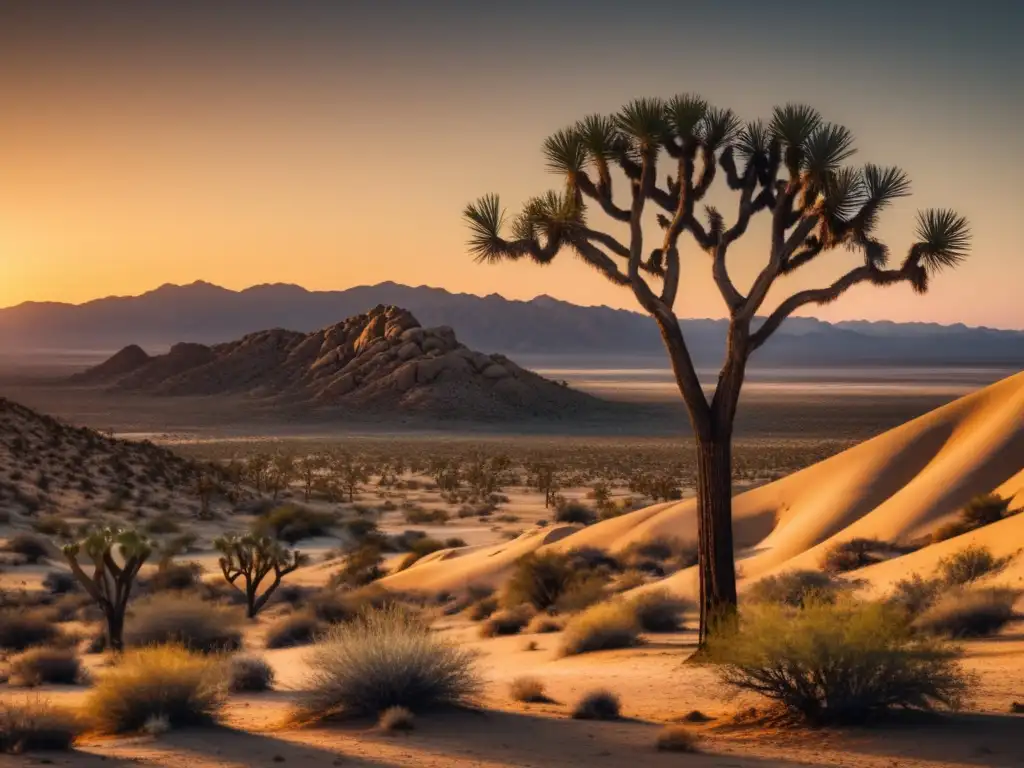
(290, 631)
(35, 725)
(337, 605)
(659, 611)
(980, 511)
(660, 555)
(593, 559)
(32, 548)
(396, 719)
(163, 681)
(426, 516)
(292, 522)
(597, 705)
(584, 590)
(60, 582)
(544, 623)
(837, 662)
(575, 513)
(386, 658)
(23, 629)
(856, 553)
(969, 613)
(179, 620)
(507, 622)
(249, 674)
(913, 595)
(601, 627)
(968, 565)
(539, 580)
(162, 524)
(482, 608)
(795, 588)
(676, 738)
(362, 566)
(171, 576)
(528, 690)
(45, 666)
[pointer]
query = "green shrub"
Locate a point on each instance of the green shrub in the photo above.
(249, 674)
(969, 613)
(290, 631)
(914, 595)
(837, 662)
(169, 619)
(597, 705)
(601, 627)
(386, 658)
(659, 611)
(34, 725)
(45, 666)
(795, 588)
(166, 682)
(968, 565)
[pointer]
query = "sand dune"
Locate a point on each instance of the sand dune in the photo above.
(898, 486)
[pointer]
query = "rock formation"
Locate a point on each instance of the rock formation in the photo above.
(382, 360)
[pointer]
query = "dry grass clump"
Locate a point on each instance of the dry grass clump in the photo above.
(163, 681)
(179, 620)
(544, 623)
(396, 719)
(969, 613)
(659, 611)
(45, 666)
(838, 662)
(386, 658)
(660, 556)
(601, 627)
(528, 690)
(290, 631)
(334, 606)
(970, 564)
(599, 704)
(507, 622)
(482, 608)
(23, 629)
(249, 674)
(34, 725)
(795, 588)
(676, 738)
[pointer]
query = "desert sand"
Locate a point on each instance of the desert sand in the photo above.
(898, 486)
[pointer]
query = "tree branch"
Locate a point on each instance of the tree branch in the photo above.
(862, 274)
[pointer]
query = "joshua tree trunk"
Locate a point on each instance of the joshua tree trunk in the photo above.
(115, 630)
(714, 529)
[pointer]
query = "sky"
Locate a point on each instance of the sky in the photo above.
(333, 144)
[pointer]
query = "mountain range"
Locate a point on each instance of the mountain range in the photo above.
(208, 314)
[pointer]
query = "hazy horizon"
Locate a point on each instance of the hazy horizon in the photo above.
(336, 144)
(499, 294)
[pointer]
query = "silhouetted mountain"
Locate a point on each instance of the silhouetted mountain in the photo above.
(208, 314)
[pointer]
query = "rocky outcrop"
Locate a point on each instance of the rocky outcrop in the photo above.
(382, 360)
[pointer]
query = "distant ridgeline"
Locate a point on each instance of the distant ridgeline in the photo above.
(208, 314)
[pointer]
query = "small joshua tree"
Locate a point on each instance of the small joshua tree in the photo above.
(111, 583)
(791, 170)
(253, 558)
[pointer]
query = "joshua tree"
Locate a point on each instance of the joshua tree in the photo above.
(110, 584)
(253, 558)
(792, 171)
(351, 474)
(308, 469)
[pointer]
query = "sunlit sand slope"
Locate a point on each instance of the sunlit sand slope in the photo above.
(898, 486)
